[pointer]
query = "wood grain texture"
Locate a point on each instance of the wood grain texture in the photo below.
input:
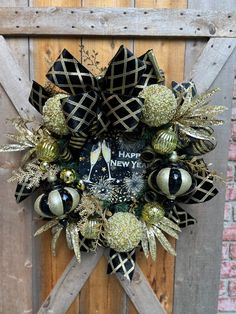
(11, 74)
(44, 51)
(211, 61)
(170, 57)
(199, 258)
(93, 21)
(70, 283)
(103, 294)
(16, 220)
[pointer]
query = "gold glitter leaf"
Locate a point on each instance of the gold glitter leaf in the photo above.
(152, 243)
(68, 239)
(12, 147)
(171, 224)
(46, 227)
(144, 241)
(168, 230)
(74, 233)
(56, 234)
(163, 240)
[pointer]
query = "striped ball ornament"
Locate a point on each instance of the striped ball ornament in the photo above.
(171, 181)
(57, 202)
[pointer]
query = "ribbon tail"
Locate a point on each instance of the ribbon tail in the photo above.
(22, 191)
(122, 263)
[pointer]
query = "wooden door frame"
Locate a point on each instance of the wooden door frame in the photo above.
(212, 60)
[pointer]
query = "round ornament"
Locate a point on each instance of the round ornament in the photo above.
(123, 231)
(152, 213)
(68, 175)
(159, 105)
(47, 150)
(91, 229)
(164, 142)
(171, 181)
(57, 202)
(53, 117)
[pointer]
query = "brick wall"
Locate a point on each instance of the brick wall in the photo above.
(227, 291)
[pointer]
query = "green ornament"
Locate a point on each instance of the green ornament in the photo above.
(159, 105)
(47, 150)
(53, 117)
(68, 175)
(164, 142)
(123, 232)
(152, 213)
(91, 229)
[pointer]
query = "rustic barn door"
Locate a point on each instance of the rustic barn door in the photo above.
(188, 284)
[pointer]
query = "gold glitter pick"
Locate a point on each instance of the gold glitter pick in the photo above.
(56, 235)
(12, 147)
(152, 243)
(46, 227)
(74, 233)
(170, 224)
(195, 133)
(163, 240)
(68, 239)
(144, 241)
(168, 230)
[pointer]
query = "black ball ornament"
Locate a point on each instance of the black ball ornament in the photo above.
(57, 201)
(171, 181)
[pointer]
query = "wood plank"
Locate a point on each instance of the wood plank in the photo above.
(117, 22)
(70, 283)
(199, 258)
(211, 61)
(16, 220)
(170, 57)
(15, 82)
(44, 51)
(102, 293)
(141, 293)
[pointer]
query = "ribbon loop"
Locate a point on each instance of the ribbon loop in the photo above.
(70, 75)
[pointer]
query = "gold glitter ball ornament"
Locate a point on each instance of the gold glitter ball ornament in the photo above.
(159, 105)
(152, 213)
(68, 175)
(53, 116)
(123, 232)
(91, 229)
(47, 150)
(164, 142)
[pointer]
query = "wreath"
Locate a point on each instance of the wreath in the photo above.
(115, 155)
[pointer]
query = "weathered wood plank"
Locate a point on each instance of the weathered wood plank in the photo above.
(16, 220)
(70, 284)
(199, 258)
(211, 61)
(15, 82)
(117, 22)
(141, 294)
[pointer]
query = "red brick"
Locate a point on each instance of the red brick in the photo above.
(225, 250)
(232, 251)
(223, 288)
(230, 193)
(232, 152)
(230, 172)
(228, 269)
(226, 304)
(229, 233)
(233, 130)
(232, 288)
(228, 211)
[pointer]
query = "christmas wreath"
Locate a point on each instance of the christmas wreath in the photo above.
(115, 155)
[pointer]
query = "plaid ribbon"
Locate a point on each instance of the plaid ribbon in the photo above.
(180, 89)
(180, 216)
(123, 263)
(22, 191)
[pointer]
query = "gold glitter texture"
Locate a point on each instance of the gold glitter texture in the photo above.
(123, 232)
(53, 116)
(159, 105)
